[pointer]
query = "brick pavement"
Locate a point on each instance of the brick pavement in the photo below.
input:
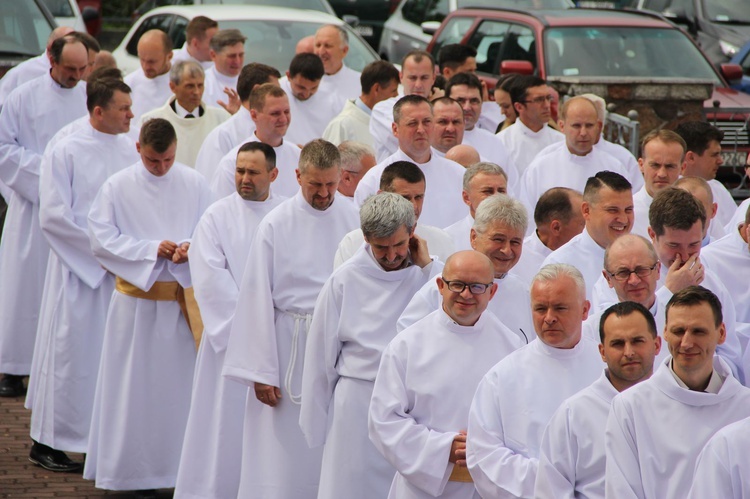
(20, 478)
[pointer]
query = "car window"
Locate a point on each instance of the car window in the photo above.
(318, 5)
(488, 40)
(728, 10)
(746, 64)
(59, 8)
(624, 51)
(162, 22)
(23, 28)
(177, 31)
(419, 11)
(516, 4)
(453, 32)
(274, 42)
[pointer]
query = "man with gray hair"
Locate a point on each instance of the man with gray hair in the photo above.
(354, 319)
(186, 111)
(498, 230)
(227, 50)
(514, 402)
(356, 159)
(267, 341)
(331, 44)
(481, 181)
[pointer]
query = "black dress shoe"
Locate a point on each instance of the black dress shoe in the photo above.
(12, 386)
(51, 459)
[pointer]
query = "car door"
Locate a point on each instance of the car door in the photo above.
(403, 31)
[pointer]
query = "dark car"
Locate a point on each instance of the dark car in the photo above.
(25, 26)
(720, 27)
(598, 46)
(372, 15)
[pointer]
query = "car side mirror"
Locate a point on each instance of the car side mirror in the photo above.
(520, 67)
(731, 72)
(430, 27)
(351, 20)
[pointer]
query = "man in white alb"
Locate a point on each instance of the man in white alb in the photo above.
(140, 225)
(379, 81)
(572, 455)
(417, 78)
(608, 211)
(269, 110)
(267, 341)
(236, 129)
(422, 435)
(356, 159)
(481, 180)
(354, 320)
(531, 99)
(497, 233)
(227, 50)
(517, 398)
(198, 34)
(150, 82)
(668, 418)
(331, 44)
(448, 125)
(26, 125)
(412, 124)
(212, 448)
(191, 118)
(701, 190)
(407, 180)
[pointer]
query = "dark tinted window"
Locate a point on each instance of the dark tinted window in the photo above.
(59, 8)
(453, 32)
(419, 11)
(162, 22)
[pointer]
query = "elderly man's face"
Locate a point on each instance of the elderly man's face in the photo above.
(558, 310)
(391, 252)
(189, 91)
(229, 60)
(635, 259)
(73, 65)
(501, 243)
(482, 186)
(465, 307)
(331, 49)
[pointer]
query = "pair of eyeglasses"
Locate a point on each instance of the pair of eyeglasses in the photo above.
(539, 100)
(475, 288)
(624, 274)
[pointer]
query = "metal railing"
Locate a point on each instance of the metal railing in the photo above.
(624, 130)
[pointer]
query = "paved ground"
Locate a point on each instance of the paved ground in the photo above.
(20, 478)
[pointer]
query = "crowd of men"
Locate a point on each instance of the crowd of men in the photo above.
(236, 280)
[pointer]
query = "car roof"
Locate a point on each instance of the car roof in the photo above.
(578, 17)
(246, 12)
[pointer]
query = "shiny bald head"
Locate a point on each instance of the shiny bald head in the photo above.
(463, 154)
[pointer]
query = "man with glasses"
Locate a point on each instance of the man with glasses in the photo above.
(530, 134)
(499, 226)
(517, 398)
(422, 394)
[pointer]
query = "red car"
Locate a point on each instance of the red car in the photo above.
(591, 45)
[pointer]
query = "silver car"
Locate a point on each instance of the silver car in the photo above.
(413, 23)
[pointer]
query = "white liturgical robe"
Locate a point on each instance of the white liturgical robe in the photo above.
(26, 125)
(77, 289)
(511, 304)
(214, 87)
(422, 395)
(624, 156)
(287, 160)
(512, 406)
(438, 243)
(352, 123)
(310, 117)
(443, 204)
(723, 469)
(233, 132)
(268, 336)
(738, 217)
(532, 257)
(523, 144)
(651, 455)
(641, 204)
(212, 448)
(729, 259)
(26, 71)
(583, 253)
(345, 83)
(572, 455)
(354, 319)
(460, 232)
(381, 128)
(147, 93)
(727, 204)
(556, 166)
(191, 132)
(142, 394)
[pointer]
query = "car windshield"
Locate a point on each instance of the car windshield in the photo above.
(59, 8)
(274, 42)
(728, 11)
(516, 4)
(624, 51)
(23, 28)
(319, 5)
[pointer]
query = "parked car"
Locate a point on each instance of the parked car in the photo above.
(743, 59)
(25, 26)
(598, 43)
(413, 23)
(720, 27)
(319, 5)
(371, 16)
(272, 32)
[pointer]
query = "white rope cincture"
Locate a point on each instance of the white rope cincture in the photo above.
(298, 318)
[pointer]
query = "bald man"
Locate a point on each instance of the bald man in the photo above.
(331, 44)
(150, 83)
(463, 154)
